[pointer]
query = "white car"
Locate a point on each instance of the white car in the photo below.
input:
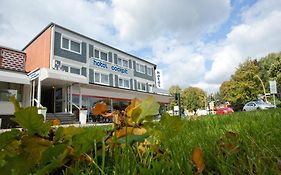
(255, 105)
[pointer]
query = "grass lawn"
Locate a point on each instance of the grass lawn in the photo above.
(238, 143)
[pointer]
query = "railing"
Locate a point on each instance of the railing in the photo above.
(37, 102)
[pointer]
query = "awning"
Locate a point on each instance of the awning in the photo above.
(56, 77)
(13, 77)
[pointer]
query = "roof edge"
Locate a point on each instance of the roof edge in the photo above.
(49, 25)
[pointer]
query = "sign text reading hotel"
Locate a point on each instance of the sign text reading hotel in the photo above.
(114, 68)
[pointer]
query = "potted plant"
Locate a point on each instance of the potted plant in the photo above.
(83, 115)
(43, 111)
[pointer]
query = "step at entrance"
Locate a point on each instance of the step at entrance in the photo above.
(65, 118)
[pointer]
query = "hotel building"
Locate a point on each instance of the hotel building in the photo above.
(62, 70)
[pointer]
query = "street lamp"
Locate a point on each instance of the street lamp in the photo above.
(262, 87)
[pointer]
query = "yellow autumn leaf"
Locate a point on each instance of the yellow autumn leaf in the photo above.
(99, 109)
(139, 131)
(55, 122)
(124, 131)
(134, 103)
(197, 157)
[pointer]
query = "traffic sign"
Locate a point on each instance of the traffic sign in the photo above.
(272, 86)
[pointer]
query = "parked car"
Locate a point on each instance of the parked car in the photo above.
(224, 109)
(255, 105)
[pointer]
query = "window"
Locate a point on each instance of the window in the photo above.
(123, 83)
(140, 68)
(65, 43)
(74, 70)
(125, 63)
(71, 45)
(149, 71)
(97, 53)
(101, 55)
(101, 78)
(119, 61)
(9, 89)
(74, 46)
(64, 68)
(141, 86)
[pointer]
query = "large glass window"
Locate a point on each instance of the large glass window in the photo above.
(103, 56)
(140, 68)
(65, 43)
(123, 83)
(119, 61)
(125, 63)
(101, 78)
(97, 53)
(149, 71)
(75, 70)
(141, 86)
(9, 89)
(75, 46)
(71, 45)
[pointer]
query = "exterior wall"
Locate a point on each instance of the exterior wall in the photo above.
(38, 52)
(86, 60)
(11, 59)
(58, 51)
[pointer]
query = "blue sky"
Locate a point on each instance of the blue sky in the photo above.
(196, 43)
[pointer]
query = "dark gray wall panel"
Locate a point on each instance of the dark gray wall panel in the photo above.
(110, 79)
(116, 81)
(136, 85)
(91, 75)
(91, 51)
(131, 84)
(67, 54)
(110, 57)
(84, 71)
(115, 58)
(130, 64)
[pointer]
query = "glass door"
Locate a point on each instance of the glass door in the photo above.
(58, 100)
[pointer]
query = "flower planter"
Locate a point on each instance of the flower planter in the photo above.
(83, 116)
(43, 112)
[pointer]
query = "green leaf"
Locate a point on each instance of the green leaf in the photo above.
(136, 113)
(30, 120)
(8, 137)
(15, 102)
(148, 107)
(130, 139)
(85, 141)
(16, 165)
(52, 153)
(66, 134)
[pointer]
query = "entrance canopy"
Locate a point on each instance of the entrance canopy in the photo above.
(14, 77)
(55, 77)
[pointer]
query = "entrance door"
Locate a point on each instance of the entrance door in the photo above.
(47, 98)
(59, 100)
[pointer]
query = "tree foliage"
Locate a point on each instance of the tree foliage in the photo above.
(245, 84)
(173, 90)
(193, 98)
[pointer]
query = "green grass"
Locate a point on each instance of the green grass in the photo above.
(257, 140)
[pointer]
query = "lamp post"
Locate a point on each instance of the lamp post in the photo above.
(262, 87)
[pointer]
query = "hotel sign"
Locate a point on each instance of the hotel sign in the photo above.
(159, 78)
(111, 67)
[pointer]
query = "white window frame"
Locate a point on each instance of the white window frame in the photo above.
(149, 73)
(100, 50)
(69, 44)
(123, 80)
(122, 62)
(100, 77)
(138, 69)
(140, 89)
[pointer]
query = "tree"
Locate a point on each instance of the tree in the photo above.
(194, 98)
(244, 85)
(173, 90)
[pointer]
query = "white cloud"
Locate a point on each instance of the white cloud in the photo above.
(186, 20)
(22, 20)
(257, 36)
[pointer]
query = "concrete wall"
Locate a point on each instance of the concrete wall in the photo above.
(38, 52)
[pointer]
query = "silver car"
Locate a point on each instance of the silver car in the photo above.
(254, 105)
